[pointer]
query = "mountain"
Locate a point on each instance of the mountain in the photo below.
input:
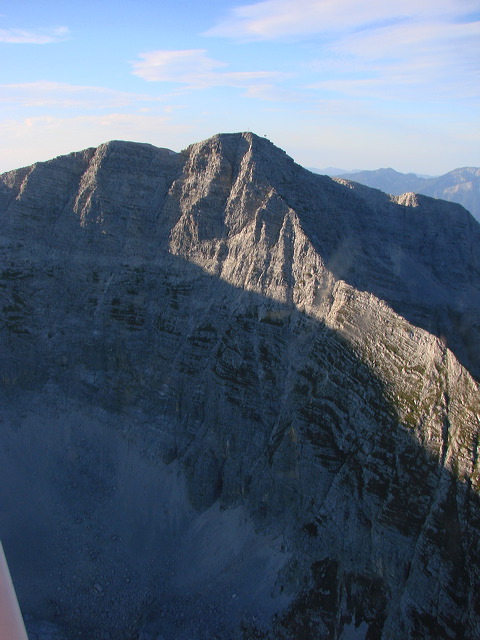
(388, 180)
(238, 400)
(459, 185)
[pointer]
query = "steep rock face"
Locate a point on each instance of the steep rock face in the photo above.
(460, 185)
(400, 255)
(225, 410)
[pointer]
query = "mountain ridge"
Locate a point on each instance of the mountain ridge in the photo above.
(210, 373)
(461, 185)
(333, 249)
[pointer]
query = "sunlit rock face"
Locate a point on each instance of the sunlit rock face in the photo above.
(238, 400)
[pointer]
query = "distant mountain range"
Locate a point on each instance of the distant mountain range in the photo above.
(460, 185)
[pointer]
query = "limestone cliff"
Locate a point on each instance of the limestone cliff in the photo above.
(238, 400)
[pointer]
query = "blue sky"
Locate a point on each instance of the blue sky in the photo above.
(333, 82)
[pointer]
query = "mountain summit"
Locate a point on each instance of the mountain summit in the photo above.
(238, 399)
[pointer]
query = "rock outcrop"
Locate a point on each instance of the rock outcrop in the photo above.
(460, 185)
(238, 399)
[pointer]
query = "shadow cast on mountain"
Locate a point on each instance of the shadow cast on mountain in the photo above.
(420, 255)
(151, 403)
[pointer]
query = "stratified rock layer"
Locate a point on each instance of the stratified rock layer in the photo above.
(238, 399)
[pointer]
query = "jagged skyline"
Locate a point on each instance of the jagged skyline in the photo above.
(340, 83)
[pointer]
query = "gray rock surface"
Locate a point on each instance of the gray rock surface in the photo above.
(460, 185)
(238, 400)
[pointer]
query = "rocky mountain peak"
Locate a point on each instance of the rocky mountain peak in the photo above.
(238, 399)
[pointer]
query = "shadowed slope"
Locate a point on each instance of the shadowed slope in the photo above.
(421, 256)
(461, 185)
(230, 428)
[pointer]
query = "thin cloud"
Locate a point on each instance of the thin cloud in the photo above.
(425, 37)
(404, 61)
(182, 66)
(438, 49)
(41, 36)
(399, 49)
(62, 95)
(274, 19)
(195, 70)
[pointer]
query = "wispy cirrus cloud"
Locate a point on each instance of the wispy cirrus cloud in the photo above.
(400, 61)
(193, 69)
(395, 49)
(67, 96)
(39, 36)
(273, 19)
(187, 66)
